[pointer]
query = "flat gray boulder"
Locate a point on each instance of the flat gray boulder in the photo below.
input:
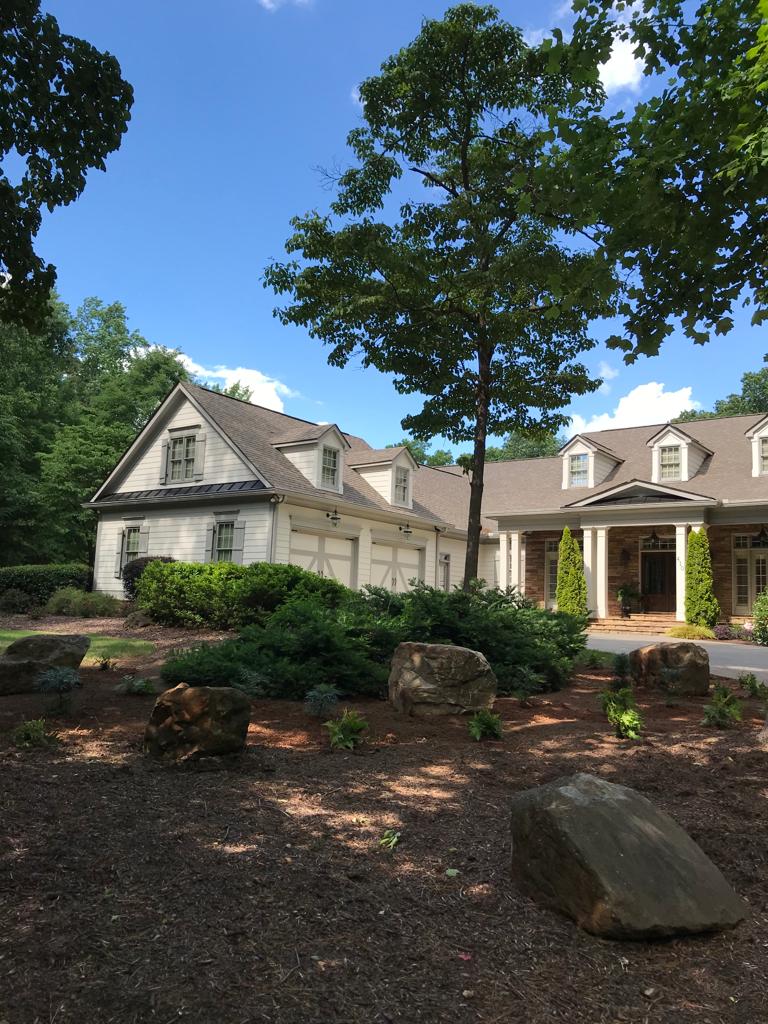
(26, 659)
(440, 679)
(680, 667)
(607, 857)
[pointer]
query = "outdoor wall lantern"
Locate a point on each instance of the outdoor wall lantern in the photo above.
(761, 540)
(406, 530)
(334, 517)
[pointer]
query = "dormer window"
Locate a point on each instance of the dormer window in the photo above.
(670, 462)
(329, 469)
(402, 485)
(578, 470)
(182, 455)
(764, 456)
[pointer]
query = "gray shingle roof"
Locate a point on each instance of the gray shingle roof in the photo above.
(373, 456)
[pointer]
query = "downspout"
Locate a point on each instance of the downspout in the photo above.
(275, 501)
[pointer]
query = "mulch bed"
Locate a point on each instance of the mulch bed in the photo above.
(136, 893)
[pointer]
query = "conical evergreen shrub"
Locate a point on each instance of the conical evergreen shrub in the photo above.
(571, 581)
(701, 605)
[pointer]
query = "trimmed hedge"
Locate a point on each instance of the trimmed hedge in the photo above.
(222, 595)
(133, 569)
(84, 604)
(39, 582)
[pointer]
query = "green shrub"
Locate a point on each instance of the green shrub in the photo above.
(724, 710)
(60, 682)
(691, 632)
(346, 732)
(83, 604)
(752, 686)
(38, 582)
(32, 733)
(225, 596)
(485, 723)
(321, 700)
(621, 711)
(759, 633)
(701, 605)
(132, 571)
(136, 686)
(571, 593)
(14, 601)
(390, 839)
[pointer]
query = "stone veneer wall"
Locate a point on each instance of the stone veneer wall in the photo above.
(624, 558)
(534, 561)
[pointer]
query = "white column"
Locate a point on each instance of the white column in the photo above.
(589, 569)
(601, 572)
(515, 552)
(681, 555)
(503, 560)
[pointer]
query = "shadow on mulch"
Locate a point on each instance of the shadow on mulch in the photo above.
(135, 893)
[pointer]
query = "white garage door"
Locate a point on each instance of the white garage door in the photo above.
(394, 567)
(329, 556)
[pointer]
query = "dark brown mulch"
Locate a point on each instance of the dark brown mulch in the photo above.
(134, 893)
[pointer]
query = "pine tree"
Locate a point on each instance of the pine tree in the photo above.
(571, 581)
(701, 605)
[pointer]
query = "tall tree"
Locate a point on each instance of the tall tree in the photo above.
(63, 108)
(753, 398)
(423, 453)
(518, 445)
(461, 293)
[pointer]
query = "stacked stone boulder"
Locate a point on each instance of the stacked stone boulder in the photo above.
(440, 679)
(26, 659)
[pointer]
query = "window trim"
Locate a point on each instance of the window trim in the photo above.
(580, 459)
(406, 499)
(762, 455)
(444, 567)
(677, 465)
(336, 452)
(196, 461)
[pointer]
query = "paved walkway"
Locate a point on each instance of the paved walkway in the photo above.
(725, 659)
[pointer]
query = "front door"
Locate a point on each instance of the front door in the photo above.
(659, 581)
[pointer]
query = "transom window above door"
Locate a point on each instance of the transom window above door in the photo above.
(578, 467)
(670, 462)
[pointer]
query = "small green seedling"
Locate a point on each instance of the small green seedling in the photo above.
(321, 700)
(485, 723)
(752, 686)
(451, 872)
(136, 686)
(346, 732)
(621, 711)
(32, 733)
(724, 710)
(390, 839)
(61, 682)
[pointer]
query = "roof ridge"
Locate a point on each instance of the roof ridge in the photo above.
(253, 405)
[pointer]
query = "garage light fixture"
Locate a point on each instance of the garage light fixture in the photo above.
(761, 539)
(406, 530)
(334, 517)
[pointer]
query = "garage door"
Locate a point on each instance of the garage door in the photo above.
(394, 567)
(326, 555)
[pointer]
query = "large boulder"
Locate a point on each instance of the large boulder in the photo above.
(607, 857)
(683, 667)
(439, 679)
(192, 722)
(26, 659)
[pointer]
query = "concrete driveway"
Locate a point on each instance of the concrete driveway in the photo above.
(725, 659)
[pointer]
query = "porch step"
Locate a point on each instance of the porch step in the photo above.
(640, 623)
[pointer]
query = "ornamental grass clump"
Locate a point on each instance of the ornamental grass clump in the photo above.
(621, 711)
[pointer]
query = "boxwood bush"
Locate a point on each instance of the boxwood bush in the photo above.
(38, 582)
(133, 569)
(343, 638)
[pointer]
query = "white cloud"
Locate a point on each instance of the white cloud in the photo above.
(622, 70)
(267, 391)
(535, 36)
(643, 405)
(608, 373)
(355, 97)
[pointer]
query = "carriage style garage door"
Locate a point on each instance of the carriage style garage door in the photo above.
(324, 554)
(393, 567)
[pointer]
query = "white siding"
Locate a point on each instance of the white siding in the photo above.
(179, 533)
(221, 464)
(457, 549)
(488, 563)
(305, 460)
(380, 479)
(604, 465)
(695, 458)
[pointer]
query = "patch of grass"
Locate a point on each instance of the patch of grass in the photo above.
(594, 659)
(690, 632)
(102, 647)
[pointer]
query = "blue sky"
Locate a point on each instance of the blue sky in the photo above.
(236, 107)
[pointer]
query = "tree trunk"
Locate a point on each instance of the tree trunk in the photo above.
(478, 465)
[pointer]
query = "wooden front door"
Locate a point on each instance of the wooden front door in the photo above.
(658, 581)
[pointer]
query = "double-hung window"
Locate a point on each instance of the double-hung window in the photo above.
(669, 462)
(444, 572)
(329, 469)
(578, 467)
(401, 485)
(764, 455)
(225, 541)
(182, 457)
(131, 549)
